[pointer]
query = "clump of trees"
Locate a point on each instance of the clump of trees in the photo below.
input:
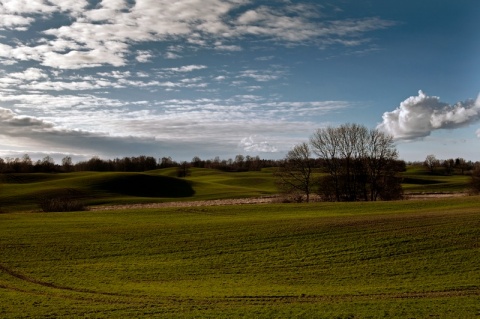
(352, 164)
(449, 166)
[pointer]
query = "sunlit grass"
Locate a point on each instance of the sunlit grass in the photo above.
(341, 260)
(419, 180)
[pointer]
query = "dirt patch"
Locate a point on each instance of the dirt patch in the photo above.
(250, 201)
(216, 202)
(433, 195)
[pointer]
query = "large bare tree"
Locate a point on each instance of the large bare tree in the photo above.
(360, 164)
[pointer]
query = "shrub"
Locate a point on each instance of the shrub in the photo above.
(62, 200)
(475, 181)
(61, 204)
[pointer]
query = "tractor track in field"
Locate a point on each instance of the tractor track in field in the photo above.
(459, 292)
(42, 283)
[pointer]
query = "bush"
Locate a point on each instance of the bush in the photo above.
(292, 198)
(62, 200)
(61, 204)
(475, 181)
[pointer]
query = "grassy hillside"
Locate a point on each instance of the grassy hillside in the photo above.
(406, 259)
(417, 179)
(23, 191)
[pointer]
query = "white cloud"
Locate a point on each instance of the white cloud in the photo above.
(220, 78)
(257, 144)
(187, 68)
(261, 76)
(30, 74)
(10, 21)
(172, 56)
(144, 56)
(418, 116)
(35, 135)
(117, 74)
(225, 47)
(92, 125)
(27, 6)
(104, 34)
(53, 105)
(83, 59)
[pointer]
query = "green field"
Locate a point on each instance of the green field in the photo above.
(22, 192)
(417, 179)
(405, 259)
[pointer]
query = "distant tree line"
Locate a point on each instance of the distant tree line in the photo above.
(449, 166)
(142, 163)
(455, 166)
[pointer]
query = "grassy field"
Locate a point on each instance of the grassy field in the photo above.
(418, 179)
(406, 259)
(22, 192)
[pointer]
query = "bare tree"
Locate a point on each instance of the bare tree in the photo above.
(381, 157)
(183, 170)
(326, 145)
(431, 162)
(360, 163)
(341, 150)
(67, 164)
(295, 175)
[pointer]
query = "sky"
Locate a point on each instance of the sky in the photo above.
(207, 78)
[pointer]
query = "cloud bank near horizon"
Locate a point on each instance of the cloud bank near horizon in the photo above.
(418, 116)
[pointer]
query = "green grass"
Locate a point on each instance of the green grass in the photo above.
(21, 192)
(418, 179)
(406, 259)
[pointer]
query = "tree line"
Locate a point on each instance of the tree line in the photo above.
(449, 166)
(141, 163)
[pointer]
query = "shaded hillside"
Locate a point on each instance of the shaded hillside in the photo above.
(142, 185)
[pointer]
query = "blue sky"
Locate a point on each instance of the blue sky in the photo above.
(208, 78)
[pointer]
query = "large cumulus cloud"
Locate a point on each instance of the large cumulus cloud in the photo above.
(418, 116)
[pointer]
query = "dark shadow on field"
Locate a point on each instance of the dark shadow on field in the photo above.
(419, 181)
(141, 185)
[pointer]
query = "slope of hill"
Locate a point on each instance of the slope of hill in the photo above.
(23, 191)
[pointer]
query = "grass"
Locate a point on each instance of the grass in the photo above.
(406, 259)
(418, 179)
(23, 192)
